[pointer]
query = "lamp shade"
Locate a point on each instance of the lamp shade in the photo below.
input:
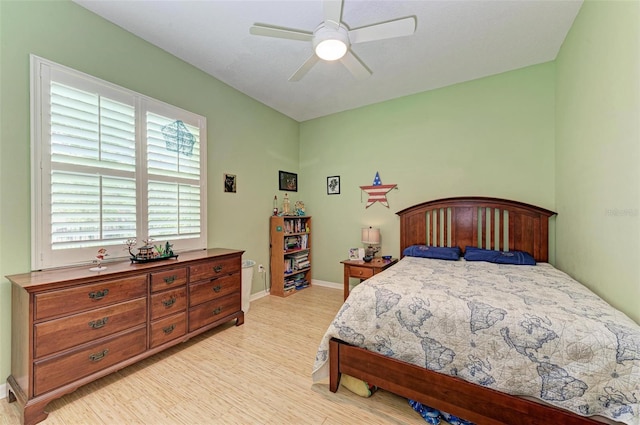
(370, 236)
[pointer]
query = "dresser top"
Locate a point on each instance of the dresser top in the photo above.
(115, 269)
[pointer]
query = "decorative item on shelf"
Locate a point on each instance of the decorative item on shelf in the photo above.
(299, 208)
(165, 250)
(275, 206)
(378, 192)
(286, 206)
(150, 252)
(371, 237)
(102, 252)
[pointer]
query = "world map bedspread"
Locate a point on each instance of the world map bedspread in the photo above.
(524, 330)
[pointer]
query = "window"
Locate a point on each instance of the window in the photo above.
(110, 165)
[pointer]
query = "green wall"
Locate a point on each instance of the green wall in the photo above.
(598, 152)
(245, 137)
(489, 137)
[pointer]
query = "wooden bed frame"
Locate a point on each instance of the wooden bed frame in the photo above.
(470, 221)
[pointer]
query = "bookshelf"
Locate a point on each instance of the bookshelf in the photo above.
(290, 242)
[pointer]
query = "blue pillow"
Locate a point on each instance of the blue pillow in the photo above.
(519, 258)
(438, 252)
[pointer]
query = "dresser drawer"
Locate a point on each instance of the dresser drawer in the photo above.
(168, 328)
(215, 288)
(60, 370)
(360, 272)
(85, 297)
(168, 302)
(214, 268)
(214, 310)
(60, 334)
(168, 279)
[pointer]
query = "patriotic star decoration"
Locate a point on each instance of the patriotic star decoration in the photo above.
(377, 191)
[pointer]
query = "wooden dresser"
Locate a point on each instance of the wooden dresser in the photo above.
(72, 326)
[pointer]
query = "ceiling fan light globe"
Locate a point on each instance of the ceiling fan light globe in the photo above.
(331, 49)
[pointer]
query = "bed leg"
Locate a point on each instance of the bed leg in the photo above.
(334, 365)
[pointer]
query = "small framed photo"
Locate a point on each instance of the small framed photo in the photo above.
(230, 183)
(333, 185)
(353, 254)
(288, 181)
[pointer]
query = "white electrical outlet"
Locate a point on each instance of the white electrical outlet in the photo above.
(260, 268)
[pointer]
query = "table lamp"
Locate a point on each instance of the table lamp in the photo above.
(370, 237)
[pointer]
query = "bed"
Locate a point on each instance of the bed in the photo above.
(420, 360)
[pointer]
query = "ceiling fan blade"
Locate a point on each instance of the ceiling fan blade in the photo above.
(332, 13)
(391, 29)
(355, 65)
(290, 34)
(304, 68)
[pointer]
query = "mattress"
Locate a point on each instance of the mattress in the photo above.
(529, 331)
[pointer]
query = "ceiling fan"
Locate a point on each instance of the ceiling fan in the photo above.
(332, 39)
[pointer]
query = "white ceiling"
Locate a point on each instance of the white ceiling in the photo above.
(455, 41)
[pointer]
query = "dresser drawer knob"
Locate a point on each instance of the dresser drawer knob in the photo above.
(217, 288)
(170, 279)
(168, 303)
(217, 269)
(97, 324)
(98, 356)
(217, 311)
(167, 330)
(98, 295)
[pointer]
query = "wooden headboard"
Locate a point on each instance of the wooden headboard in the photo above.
(489, 223)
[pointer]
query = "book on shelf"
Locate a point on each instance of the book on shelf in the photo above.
(292, 243)
(295, 225)
(297, 281)
(292, 264)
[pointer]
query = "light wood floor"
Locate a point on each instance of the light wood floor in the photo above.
(257, 373)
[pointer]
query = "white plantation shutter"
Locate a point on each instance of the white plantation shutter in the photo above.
(174, 183)
(174, 210)
(91, 130)
(104, 171)
(93, 163)
(162, 160)
(90, 210)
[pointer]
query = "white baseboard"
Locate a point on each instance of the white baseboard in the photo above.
(327, 284)
(324, 283)
(258, 295)
(3, 391)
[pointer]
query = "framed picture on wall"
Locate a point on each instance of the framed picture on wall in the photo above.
(288, 181)
(230, 183)
(333, 185)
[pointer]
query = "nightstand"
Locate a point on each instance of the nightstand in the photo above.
(358, 269)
